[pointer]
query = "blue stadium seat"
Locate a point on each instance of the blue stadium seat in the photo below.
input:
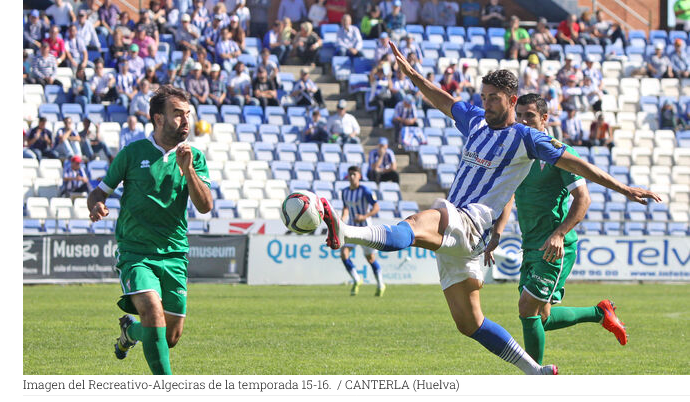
(342, 170)
(452, 50)
(452, 136)
(95, 112)
(282, 169)
(655, 228)
(55, 94)
(362, 65)
(308, 152)
(591, 227)
(450, 154)
(582, 151)
(615, 211)
(673, 35)
(50, 111)
(323, 188)
(635, 212)
(436, 118)
(637, 38)
(56, 226)
(633, 228)
(341, 67)
(299, 185)
(386, 210)
(253, 114)
(658, 36)
(231, 114)
(407, 208)
(454, 34)
(331, 153)
(357, 82)
(435, 33)
(196, 226)
(79, 226)
(339, 185)
(473, 51)
(431, 50)
(290, 133)
(354, 154)
(683, 139)
(246, 132)
(329, 32)
(635, 53)
(434, 136)
(677, 228)
(32, 226)
(117, 113)
(327, 171)
(388, 117)
(612, 228)
(106, 226)
(249, 60)
(209, 113)
(263, 151)
(595, 52)
(390, 191)
(445, 174)
(275, 115)
(428, 156)
(416, 31)
(269, 133)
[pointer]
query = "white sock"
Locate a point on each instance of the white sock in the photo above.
(515, 354)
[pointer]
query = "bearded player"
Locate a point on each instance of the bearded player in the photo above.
(549, 243)
(496, 158)
(159, 175)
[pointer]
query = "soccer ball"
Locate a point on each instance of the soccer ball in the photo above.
(202, 128)
(302, 212)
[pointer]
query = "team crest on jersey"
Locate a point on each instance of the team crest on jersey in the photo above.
(499, 150)
(556, 144)
(145, 164)
(541, 165)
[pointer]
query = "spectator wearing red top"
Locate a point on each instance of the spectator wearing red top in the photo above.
(600, 132)
(449, 84)
(56, 44)
(335, 9)
(569, 32)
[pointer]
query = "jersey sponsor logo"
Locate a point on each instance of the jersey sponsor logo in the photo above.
(145, 164)
(181, 292)
(541, 165)
(556, 144)
(473, 158)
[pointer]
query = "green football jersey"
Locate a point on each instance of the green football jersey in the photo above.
(542, 202)
(153, 207)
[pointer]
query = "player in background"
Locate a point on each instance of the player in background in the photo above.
(159, 175)
(496, 158)
(549, 243)
(357, 201)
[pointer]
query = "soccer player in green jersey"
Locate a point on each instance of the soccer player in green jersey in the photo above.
(159, 175)
(549, 242)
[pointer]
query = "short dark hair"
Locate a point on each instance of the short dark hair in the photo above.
(529, 99)
(354, 168)
(159, 99)
(504, 80)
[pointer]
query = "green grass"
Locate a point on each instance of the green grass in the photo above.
(239, 329)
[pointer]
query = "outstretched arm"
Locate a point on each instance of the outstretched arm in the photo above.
(436, 96)
(573, 164)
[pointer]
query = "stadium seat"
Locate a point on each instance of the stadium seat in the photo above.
(327, 171)
(331, 153)
(453, 137)
(450, 154)
(353, 154)
(96, 113)
(407, 208)
(263, 151)
(428, 156)
(308, 152)
(231, 114)
(253, 189)
(270, 208)
(51, 111)
(53, 226)
(55, 94)
(390, 191)
(434, 136)
(286, 151)
(276, 189)
(304, 170)
(323, 188)
(386, 210)
(247, 209)
(208, 113)
(290, 133)
(275, 115)
(117, 113)
(296, 185)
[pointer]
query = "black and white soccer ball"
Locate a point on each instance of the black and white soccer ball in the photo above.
(302, 212)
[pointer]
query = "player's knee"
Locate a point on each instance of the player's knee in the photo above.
(371, 258)
(172, 338)
(466, 328)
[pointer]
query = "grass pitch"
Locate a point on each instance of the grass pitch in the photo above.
(240, 329)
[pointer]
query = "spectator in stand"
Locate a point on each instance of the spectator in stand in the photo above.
(315, 130)
(219, 9)
(118, 49)
(449, 84)
(464, 78)
(383, 49)
(237, 32)
(530, 77)
(569, 32)
(211, 34)
(415, 62)
(317, 13)
(517, 41)
(187, 35)
(293, 9)
(554, 105)
(26, 66)
(382, 164)
(75, 182)
(80, 90)
(437, 12)
(217, 90)
(573, 134)
(107, 14)
(44, 67)
(680, 64)
(136, 65)
(200, 15)
(239, 87)
(409, 46)
(566, 71)
(227, 50)
(606, 32)
(40, 141)
(601, 133)
(587, 35)
(125, 25)
(86, 31)
(572, 94)
(244, 15)
(550, 83)
(66, 142)
(130, 132)
(493, 15)
(307, 44)
(336, 10)
(164, 15)
(349, 40)
(91, 142)
(91, 8)
(62, 14)
(186, 63)
(380, 94)
(259, 16)
(591, 94)
(305, 92)
(658, 64)
(593, 72)
(102, 84)
(668, 118)
(140, 104)
(56, 45)
(395, 22)
(264, 89)
(125, 83)
(273, 41)
(372, 25)
(35, 31)
(403, 86)
(75, 49)
(681, 9)
(197, 86)
(405, 115)
(271, 67)
(150, 26)
(542, 39)
(343, 124)
(410, 9)
(202, 58)
(147, 45)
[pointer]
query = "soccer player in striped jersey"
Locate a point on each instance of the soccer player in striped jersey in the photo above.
(549, 243)
(495, 159)
(357, 201)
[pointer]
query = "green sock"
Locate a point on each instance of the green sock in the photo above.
(156, 350)
(562, 317)
(533, 335)
(135, 331)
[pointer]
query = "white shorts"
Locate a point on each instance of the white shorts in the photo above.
(366, 250)
(458, 257)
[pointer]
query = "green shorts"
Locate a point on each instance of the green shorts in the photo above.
(164, 274)
(543, 280)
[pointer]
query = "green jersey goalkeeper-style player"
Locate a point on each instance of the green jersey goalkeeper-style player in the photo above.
(159, 175)
(549, 243)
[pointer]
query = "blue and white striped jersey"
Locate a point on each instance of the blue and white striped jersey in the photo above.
(494, 162)
(358, 202)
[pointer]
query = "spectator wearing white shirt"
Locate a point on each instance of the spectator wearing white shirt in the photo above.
(305, 92)
(383, 49)
(343, 124)
(187, 35)
(62, 14)
(75, 49)
(573, 134)
(405, 115)
(349, 39)
(317, 13)
(239, 87)
(102, 84)
(227, 50)
(86, 31)
(140, 104)
(131, 133)
(67, 140)
(125, 83)
(242, 12)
